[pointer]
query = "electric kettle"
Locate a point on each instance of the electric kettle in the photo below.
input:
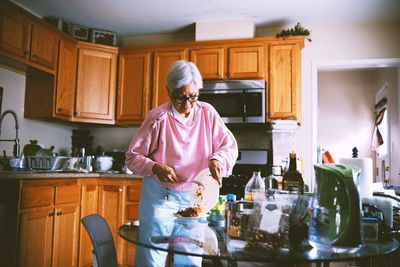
(336, 209)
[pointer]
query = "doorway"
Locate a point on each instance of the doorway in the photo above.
(347, 66)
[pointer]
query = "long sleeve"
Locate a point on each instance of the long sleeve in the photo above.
(225, 147)
(143, 144)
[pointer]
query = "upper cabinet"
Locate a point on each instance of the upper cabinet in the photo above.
(95, 84)
(210, 62)
(246, 62)
(66, 78)
(27, 40)
(284, 90)
(83, 89)
(230, 61)
(162, 61)
(133, 95)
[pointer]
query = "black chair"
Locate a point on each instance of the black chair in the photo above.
(102, 240)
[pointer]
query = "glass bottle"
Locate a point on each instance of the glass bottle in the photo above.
(292, 178)
(254, 186)
(235, 223)
(230, 201)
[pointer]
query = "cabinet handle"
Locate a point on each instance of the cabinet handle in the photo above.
(51, 213)
(34, 57)
(77, 114)
(59, 213)
(119, 189)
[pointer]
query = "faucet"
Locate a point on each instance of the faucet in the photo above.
(16, 149)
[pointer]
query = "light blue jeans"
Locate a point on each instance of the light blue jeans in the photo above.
(158, 203)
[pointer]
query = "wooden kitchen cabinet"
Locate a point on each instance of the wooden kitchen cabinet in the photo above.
(65, 81)
(96, 83)
(231, 61)
(24, 38)
(246, 62)
(49, 223)
(162, 62)
(118, 204)
(89, 205)
(133, 95)
(284, 81)
(210, 62)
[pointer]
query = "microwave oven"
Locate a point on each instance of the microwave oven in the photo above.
(236, 101)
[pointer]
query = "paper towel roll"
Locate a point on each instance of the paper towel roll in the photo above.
(365, 181)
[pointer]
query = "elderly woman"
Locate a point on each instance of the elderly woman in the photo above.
(175, 142)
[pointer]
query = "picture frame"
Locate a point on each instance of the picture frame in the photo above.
(80, 32)
(103, 37)
(60, 23)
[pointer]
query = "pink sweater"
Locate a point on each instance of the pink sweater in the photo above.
(187, 149)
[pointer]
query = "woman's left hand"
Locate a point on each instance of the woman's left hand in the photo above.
(216, 170)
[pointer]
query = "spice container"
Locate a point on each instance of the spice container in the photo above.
(229, 209)
(234, 230)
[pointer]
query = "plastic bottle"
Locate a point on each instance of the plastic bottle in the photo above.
(292, 178)
(254, 186)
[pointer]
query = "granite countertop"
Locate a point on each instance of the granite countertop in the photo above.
(49, 174)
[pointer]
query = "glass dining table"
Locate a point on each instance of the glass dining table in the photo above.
(198, 237)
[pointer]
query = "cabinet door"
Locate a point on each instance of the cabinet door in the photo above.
(14, 33)
(95, 91)
(88, 206)
(162, 62)
(246, 62)
(65, 239)
(132, 213)
(111, 208)
(284, 82)
(35, 237)
(210, 62)
(44, 46)
(66, 77)
(134, 87)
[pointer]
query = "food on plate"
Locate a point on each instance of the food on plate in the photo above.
(190, 212)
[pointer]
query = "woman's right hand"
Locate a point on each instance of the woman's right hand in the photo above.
(164, 173)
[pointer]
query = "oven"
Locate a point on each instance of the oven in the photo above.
(237, 101)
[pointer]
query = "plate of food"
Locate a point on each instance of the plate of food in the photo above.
(204, 195)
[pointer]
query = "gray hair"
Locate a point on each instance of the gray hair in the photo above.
(182, 73)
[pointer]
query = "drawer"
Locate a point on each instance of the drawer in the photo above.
(33, 197)
(67, 194)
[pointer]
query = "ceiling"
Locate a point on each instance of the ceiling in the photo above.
(139, 17)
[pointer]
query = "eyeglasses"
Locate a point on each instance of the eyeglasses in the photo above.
(182, 99)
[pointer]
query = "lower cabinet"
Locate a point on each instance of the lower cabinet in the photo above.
(88, 206)
(40, 219)
(48, 224)
(118, 204)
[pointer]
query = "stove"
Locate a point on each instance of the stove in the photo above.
(248, 161)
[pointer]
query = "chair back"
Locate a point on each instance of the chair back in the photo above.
(102, 240)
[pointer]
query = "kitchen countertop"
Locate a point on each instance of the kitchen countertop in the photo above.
(52, 175)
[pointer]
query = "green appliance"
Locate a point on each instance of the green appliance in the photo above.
(336, 209)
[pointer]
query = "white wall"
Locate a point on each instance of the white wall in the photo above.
(339, 42)
(346, 102)
(47, 133)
